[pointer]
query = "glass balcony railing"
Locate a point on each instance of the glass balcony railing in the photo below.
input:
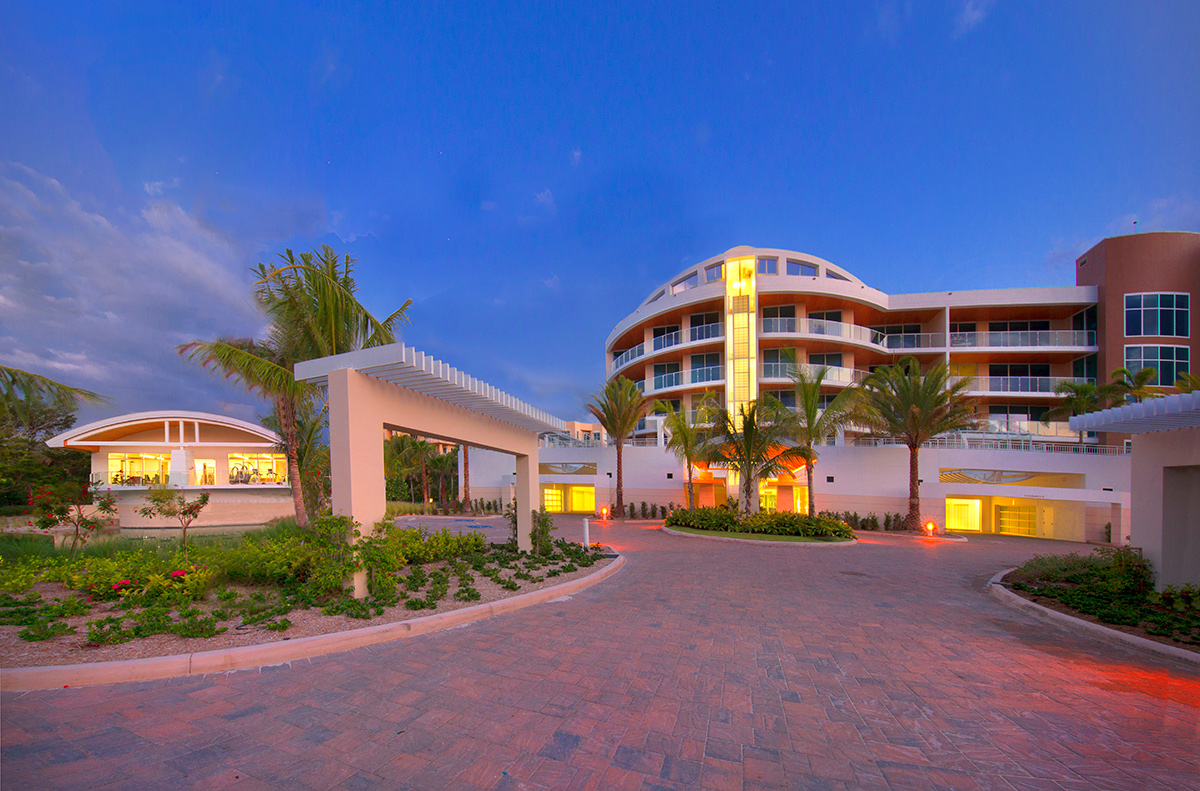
(779, 325)
(1032, 338)
(1020, 384)
(628, 356)
(667, 341)
(710, 373)
(663, 381)
(702, 332)
(913, 340)
(833, 374)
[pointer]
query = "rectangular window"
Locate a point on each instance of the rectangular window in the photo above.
(1165, 315)
(780, 312)
(138, 469)
(713, 273)
(552, 499)
(691, 281)
(583, 499)
(801, 268)
(206, 472)
(768, 266)
(785, 397)
(827, 315)
(835, 275)
(1170, 362)
(257, 468)
(828, 360)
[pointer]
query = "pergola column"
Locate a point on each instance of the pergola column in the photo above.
(356, 456)
(527, 498)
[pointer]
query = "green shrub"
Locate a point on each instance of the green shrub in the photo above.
(785, 523)
(718, 519)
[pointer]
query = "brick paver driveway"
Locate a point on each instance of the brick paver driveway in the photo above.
(701, 664)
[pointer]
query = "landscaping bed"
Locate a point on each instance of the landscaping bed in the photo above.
(132, 600)
(784, 524)
(756, 536)
(1112, 587)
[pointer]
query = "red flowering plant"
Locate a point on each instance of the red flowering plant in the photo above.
(172, 503)
(64, 503)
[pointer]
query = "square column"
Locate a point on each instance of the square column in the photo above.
(356, 456)
(527, 490)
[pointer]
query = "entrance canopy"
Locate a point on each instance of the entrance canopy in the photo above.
(398, 387)
(406, 367)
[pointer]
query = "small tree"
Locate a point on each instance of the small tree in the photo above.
(173, 504)
(63, 503)
(686, 441)
(618, 408)
(1135, 385)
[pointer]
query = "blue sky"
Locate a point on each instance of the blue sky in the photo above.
(527, 173)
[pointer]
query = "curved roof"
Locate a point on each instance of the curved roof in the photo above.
(114, 429)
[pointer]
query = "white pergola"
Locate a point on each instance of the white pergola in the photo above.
(1165, 480)
(397, 387)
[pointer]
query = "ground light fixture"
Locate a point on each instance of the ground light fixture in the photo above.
(930, 527)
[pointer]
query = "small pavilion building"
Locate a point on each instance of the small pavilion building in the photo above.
(237, 462)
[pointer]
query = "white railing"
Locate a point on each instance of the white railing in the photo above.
(833, 374)
(779, 325)
(913, 340)
(1020, 384)
(710, 373)
(1035, 428)
(667, 341)
(628, 356)
(663, 381)
(1065, 338)
(702, 332)
(977, 442)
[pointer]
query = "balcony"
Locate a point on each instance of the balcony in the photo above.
(853, 332)
(711, 374)
(913, 340)
(703, 332)
(1033, 338)
(833, 374)
(1038, 385)
(667, 341)
(628, 356)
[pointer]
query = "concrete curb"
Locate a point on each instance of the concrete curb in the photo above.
(1086, 627)
(913, 536)
(19, 679)
(851, 542)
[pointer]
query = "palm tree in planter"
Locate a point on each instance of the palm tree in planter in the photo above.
(900, 401)
(1079, 398)
(813, 423)
(1129, 385)
(686, 441)
(310, 304)
(753, 444)
(618, 408)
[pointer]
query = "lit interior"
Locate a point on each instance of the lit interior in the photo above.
(252, 468)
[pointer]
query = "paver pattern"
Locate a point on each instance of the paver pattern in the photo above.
(702, 664)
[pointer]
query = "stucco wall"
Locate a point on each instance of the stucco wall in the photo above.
(1166, 503)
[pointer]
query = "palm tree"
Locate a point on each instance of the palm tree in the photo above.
(915, 408)
(313, 313)
(443, 466)
(466, 481)
(813, 424)
(17, 387)
(1136, 386)
(1187, 383)
(1079, 398)
(751, 444)
(686, 441)
(618, 408)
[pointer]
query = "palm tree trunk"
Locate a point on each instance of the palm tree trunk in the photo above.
(691, 495)
(620, 484)
(287, 422)
(424, 487)
(812, 494)
(466, 488)
(748, 507)
(913, 520)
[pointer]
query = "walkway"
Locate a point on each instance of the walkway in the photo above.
(701, 664)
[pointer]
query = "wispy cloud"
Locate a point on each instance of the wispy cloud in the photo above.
(154, 188)
(100, 299)
(546, 199)
(970, 15)
(1163, 214)
(576, 157)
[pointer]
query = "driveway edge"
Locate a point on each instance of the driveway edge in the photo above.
(996, 589)
(851, 542)
(22, 679)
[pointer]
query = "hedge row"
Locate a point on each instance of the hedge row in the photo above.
(780, 524)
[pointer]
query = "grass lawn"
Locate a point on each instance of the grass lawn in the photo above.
(757, 536)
